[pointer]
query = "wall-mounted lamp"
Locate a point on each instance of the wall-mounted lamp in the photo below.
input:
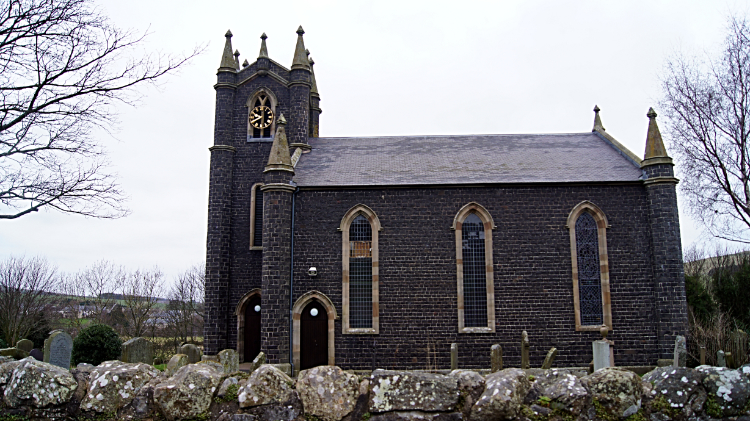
(313, 271)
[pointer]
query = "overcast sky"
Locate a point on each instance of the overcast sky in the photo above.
(382, 68)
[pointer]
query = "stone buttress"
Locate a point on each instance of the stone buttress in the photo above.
(277, 231)
(668, 270)
(219, 207)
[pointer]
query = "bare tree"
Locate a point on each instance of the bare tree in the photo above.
(90, 293)
(707, 104)
(27, 288)
(185, 310)
(63, 69)
(140, 295)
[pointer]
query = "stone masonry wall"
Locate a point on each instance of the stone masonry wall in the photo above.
(533, 286)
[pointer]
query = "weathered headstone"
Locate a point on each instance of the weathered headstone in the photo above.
(259, 360)
(57, 349)
(703, 355)
(496, 358)
(137, 350)
(720, 360)
(454, 356)
(174, 364)
(601, 354)
(37, 354)
(193, 353)
(549, 359)
(729, 358)
(25, 345)
(525, 350)
(230, 360)
(14, 353)
(680, 352)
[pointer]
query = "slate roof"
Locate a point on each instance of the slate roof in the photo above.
(472, 159)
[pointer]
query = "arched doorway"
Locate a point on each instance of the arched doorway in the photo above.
(329, 315)
(252, 328)
(313, 336)
(248, 325)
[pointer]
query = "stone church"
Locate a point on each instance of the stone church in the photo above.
(382, 251)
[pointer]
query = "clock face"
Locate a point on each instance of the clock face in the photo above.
(261, 117)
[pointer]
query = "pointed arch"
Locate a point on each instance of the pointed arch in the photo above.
(576, 242)
(269, 99)
(360, 251)
(475, 321)
(239, 311)
(469, 208)
(299, 305)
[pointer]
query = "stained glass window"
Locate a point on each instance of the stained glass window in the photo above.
(475, 272)
(589, 270)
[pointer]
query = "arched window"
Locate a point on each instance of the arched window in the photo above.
(474, 269)
(359, 259)
(256, 217)
(261, 120)
(588, 245)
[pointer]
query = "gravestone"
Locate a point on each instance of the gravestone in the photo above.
(230, 360)
(258, 361)
(25, 345)
(720, 360)
(601, 354)
(525, 350)
(137, 350)
(550, 359)
(703, 355)
(37, 354)
(57, 349)
(454, 356)
(175, 363)
(15, 353)
(496, 358)
(729, 358)
(680, 352)
(193, 353)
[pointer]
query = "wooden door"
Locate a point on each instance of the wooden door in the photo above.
(252, 328)
(313, 336)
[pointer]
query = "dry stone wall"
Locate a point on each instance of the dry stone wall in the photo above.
(115, 390)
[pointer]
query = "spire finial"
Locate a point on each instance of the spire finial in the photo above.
(245, 64)
(263, 48)
(279, 158)
(597, 120)
(300, 58)
(227, 58)
(237, 59)
(654, 145)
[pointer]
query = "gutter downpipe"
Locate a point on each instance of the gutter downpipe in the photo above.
(291, 289)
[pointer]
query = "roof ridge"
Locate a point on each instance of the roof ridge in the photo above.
(454, 135)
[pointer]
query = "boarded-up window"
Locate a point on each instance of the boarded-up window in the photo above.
(258, 223)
